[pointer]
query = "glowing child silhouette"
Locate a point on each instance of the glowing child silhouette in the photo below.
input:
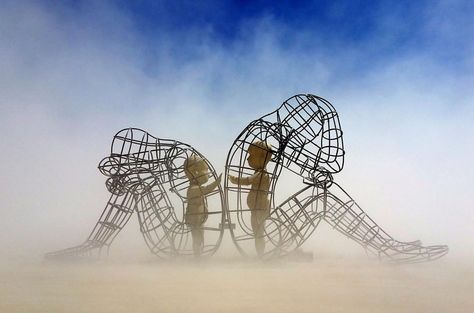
(257, 199)
(197, 172)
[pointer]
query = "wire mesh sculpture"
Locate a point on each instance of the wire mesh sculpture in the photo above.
(302, 136)
(149, 176)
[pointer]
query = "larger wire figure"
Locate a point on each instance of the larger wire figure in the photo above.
(305, 137)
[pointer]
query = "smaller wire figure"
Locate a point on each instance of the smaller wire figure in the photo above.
(260, 153)
(161, 180)
(197, 172)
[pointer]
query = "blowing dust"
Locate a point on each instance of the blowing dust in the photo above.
(224, 284)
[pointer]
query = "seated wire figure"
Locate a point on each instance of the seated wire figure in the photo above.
(197, 172)
(257, 199)
(153, 177)
(306, 139)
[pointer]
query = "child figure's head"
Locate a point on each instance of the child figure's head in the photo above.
(260, 154)
(196, 170)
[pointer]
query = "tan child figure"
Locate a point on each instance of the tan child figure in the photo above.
(197, 172)
(259, 154)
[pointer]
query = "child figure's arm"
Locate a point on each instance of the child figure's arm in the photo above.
(207, 189)
(243, 180)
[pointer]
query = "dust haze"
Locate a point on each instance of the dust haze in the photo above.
(69, 82)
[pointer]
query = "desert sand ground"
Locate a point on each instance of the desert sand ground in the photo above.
(237, 285)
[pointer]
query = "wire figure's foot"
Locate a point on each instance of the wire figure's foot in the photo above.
(400, 252)
(86, 250)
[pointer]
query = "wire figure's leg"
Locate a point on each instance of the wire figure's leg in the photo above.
(163, 233)
(345, 215)
(292, 222)
(116, 214)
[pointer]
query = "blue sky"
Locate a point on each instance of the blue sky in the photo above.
(400, 73)
(440, 29)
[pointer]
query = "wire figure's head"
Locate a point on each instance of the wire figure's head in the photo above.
(309, 128)
(196, 170)
(259, 154)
